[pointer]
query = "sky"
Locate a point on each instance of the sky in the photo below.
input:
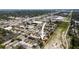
(39, 4)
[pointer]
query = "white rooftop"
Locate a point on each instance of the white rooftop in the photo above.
(38, 22)
(8, 28)
(60, 17)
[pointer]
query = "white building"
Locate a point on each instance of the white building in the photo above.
(8, 28)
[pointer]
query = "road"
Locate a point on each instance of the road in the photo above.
(59, 40)
(54, 40)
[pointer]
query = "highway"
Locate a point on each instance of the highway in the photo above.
(59, 40)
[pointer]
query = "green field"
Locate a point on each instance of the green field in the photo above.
(63, 25)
